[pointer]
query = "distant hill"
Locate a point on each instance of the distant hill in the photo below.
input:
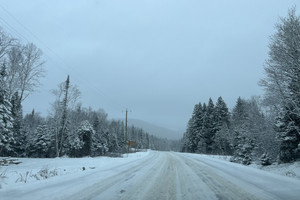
(156, 130)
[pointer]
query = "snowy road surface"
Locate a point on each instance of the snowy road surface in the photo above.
(163, 175)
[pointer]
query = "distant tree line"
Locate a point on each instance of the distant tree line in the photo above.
(69, 129)
(267, 129)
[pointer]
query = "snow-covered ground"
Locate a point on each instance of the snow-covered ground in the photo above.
(146, 175)
(285, 169)
(35, 170)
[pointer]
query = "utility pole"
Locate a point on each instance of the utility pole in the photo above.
(126, 142)
(126, 126)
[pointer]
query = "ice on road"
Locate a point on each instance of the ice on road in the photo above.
(166, 175)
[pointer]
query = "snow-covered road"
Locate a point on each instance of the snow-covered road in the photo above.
(164, 175)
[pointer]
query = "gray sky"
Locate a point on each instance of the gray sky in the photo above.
(157, 58)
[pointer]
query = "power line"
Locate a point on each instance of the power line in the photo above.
(8, 26)
(63, 64)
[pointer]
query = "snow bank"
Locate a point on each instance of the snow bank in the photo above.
(35, 170)
(285, 169)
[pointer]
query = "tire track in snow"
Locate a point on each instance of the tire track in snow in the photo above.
(223, 188)
(168, 179)
(98, 188)
(263, 184)
(181, 178)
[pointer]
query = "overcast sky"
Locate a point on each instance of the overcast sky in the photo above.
(157, 58)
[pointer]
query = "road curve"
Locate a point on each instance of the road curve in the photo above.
(169, 175)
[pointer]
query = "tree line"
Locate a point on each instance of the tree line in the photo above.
(246, 133)
(69, 129)
(268, 130)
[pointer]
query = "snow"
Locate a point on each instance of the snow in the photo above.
(148, 175)
(284, 169)
(280, 186)
(66, 169)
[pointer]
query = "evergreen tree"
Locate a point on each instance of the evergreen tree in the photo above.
(6, 119)
(17, 115)
(86, 134)
(243, 144)
(240, 115)
(243, 147)
(30, 123)
(99, 140)
(223, 141)
(41, 145)
(202, 130)
(193, 133)
(223, 133)
(222, 115)
(210, 127)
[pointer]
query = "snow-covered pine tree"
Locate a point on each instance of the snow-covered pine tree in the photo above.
(243, 144)
(193, 132)
(99, 141)
(243, 147)
(223, 133)
(240, 116)
(6, 120)
(17, 115)
(196, 128)
(30, 123)
(112, 139)
(41, 145)
(85, 134)
(201, 128)
(222, 115)
(210, 127)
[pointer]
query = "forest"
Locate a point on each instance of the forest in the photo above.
(258, 129)
(69, 129)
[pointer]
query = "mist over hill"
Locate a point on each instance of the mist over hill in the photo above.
(156, 130)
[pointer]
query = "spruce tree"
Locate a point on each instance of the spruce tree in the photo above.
(193, 132)
(240, 116)
(243, 144)
(209, 127)
(6, 119)
(18, 132)
(42, 142)
(222, 116)
(223, 133)
(99, 141)
(86, 134)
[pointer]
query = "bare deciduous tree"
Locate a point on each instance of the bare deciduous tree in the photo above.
(32, 70)
(25, 68)
(5, 43)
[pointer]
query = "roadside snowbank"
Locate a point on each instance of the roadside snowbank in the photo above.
(33, 170)
(285, 169)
